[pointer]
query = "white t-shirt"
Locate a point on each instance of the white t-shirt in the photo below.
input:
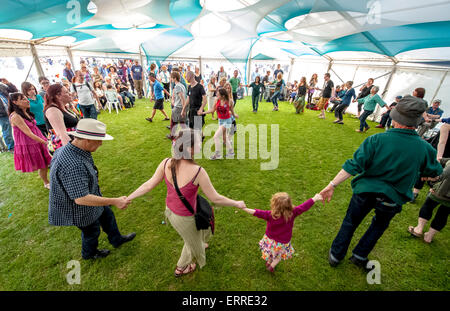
(179, 88)
(85, 97)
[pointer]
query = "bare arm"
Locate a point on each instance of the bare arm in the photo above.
(444, 130)
(327, 192)
(56, 119)
(211, 193)
(203, 103)
(184, 102)
(249, 210)
(18, 121)
(151, 183)
(94, 200)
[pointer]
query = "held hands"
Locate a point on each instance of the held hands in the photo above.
(43, 141)
(318, 197)
(122, 202)
(240, 204)
(199, 113)
(327, 193)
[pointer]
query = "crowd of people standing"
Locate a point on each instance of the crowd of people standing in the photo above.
(60, 119)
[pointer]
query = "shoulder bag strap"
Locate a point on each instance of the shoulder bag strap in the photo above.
(180, 195)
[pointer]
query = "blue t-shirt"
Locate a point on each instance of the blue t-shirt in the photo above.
(348, 96)
(137, 72)
(437, 112)
(37, 108)
(158, 90)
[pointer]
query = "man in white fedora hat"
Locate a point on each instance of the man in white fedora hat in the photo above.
(75, 198)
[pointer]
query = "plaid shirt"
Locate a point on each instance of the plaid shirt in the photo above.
(73, 175)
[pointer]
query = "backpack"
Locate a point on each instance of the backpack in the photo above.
(88, 85)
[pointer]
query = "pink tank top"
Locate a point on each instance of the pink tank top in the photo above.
(189, 191)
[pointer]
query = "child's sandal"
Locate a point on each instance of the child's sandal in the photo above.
(270, 269)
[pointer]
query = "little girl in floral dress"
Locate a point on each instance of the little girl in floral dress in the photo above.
(276, 243)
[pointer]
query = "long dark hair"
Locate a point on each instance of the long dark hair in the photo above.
(26, 87)
(12, 106)
(185, 138)
(50, 97)
(224, 93)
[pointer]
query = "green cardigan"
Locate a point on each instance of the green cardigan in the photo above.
(391, 163)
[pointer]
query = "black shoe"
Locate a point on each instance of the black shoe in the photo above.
(149, 119)
(168, 136)
(126, 238)
(166, 119)
(101, 253)
(360, 263)
(331, 261)
(415, 195)
(168, 127)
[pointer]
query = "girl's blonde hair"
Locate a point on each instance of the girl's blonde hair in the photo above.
(281, 205)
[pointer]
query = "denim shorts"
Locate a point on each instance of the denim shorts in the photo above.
(225, 122)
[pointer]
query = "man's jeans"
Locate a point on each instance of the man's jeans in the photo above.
(362, 120)
(360, 205)
(88, 111)
(7, 132)
(90, 234)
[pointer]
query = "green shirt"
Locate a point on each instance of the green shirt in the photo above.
(256, 88)
(235, 84)
(391, 162)
(371, 101)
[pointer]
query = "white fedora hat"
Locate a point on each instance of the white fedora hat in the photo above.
(91, 129)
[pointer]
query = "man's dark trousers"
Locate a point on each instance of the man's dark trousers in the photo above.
(90, 233)
(360, 205)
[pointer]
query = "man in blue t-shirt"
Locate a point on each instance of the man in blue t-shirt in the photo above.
(158, 90)
(137, 73)
(430, 117)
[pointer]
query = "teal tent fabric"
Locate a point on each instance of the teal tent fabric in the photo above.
(163, 45)
(261, 56)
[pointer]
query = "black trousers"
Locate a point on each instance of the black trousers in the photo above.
(235, 98)
(90, 234)
(167, 88)
(339, 111)
(360, 205)
(195, 120)
(440, 219)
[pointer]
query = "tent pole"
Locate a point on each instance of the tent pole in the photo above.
(439, 86)
(36, 60)
(200, 65)
(29, 70)
(290, 70)
(383, 95)
(69, 53)
(143, 74)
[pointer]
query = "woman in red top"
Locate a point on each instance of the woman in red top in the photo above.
(276, 243)
(224, 110)
(190, 177)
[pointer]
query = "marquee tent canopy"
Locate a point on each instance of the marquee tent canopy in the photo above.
(402, 44)
(237, 29)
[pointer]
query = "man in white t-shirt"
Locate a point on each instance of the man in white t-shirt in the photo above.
(179, 104)
(86, 96)
(164, 77)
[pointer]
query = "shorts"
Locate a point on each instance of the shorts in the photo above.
(293, 94)
(159, 104)
(176, 115)
(226, 123)
(322, 102)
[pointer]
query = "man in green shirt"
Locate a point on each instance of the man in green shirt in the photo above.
(370, 102)
(235, 83)
(386, 166)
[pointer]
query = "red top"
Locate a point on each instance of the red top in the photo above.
(189, 191)
(223, 111)
(278, 229)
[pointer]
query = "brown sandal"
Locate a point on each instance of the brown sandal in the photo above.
(190, 268)
(413, 233)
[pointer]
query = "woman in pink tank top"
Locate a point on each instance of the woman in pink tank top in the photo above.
(225, 111)
(190, 177)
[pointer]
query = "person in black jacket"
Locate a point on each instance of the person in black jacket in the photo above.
(4, 120)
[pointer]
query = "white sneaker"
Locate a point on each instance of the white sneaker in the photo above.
(216, 156)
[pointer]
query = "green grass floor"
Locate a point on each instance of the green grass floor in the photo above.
(34, 255)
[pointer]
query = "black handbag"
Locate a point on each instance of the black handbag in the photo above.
(204, 217)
